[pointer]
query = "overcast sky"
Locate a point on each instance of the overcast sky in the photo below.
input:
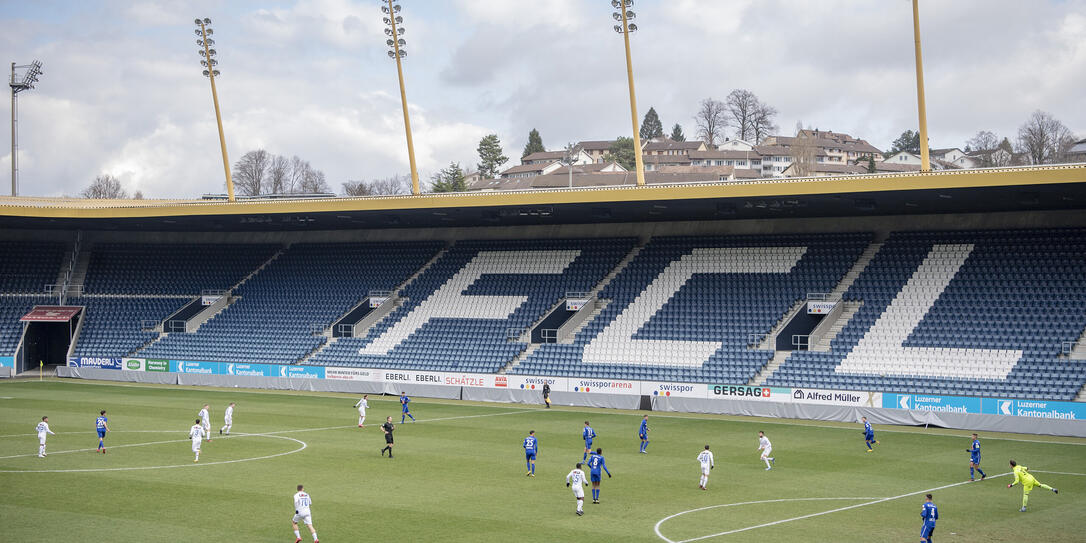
(122, 91)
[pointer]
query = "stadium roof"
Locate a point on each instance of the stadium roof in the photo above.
(955, 191)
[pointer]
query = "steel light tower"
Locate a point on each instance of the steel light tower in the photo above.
(205, 41)
(394, 29)
(623, 16)
(921, 107)
(19, 83)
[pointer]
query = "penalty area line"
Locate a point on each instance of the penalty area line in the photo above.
(803, 517)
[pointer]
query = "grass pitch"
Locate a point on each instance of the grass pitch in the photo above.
(459, 474)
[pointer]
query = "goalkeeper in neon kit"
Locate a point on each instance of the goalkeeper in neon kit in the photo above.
(1022, 475)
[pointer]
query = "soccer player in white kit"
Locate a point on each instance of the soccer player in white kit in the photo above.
(196, 434)
(362, 405)
(302, 501)
(767, 448)
(206, 418)
(577, 481)
(706, 459)
(43, 430)
(228, 419)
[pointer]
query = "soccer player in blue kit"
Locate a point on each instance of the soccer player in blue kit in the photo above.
(531, 446)
(869, 435)
(595, 464)
(588, 435)
(643, 433)
(405, 411)
(929, 513)
(974, 459)
(102, 426)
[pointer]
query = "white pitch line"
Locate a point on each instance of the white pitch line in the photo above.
(194, 464)
(812, 515)
(758, 502)
(1057, 472)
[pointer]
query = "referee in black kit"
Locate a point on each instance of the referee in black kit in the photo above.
(387, 428)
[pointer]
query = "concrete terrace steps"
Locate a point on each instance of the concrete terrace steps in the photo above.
(769, 342)
(849, 309)
(532, 347)
(778, 358)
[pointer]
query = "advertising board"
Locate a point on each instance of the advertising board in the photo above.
(820, 308)
(96, 362)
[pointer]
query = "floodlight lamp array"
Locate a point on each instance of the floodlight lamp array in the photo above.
(393, 29)
(203, 32)
(623, 6)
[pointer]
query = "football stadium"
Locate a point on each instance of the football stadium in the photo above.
(878, 328)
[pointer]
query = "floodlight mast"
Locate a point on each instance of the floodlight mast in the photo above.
(19, 84)
(209, 63)
(392, 19)
(624, 15)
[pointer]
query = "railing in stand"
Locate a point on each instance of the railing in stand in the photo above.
(316, 329)
(1069, 347)
(801, 342)
(513, 334)
(174, 327)
(346, 330)
(755, 339)
(148, 325)
(548, 335)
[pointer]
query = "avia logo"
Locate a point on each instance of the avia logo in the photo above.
(1006, 407)
(133, 364)
(798, 394)
(501, 381)
(903, 401)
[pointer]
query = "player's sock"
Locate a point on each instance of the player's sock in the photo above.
(767, 463)
(981, 472)
(580, 505)
(412, 417)
(868, 445)
(533, 469)
(41, 450)
(1044, 486)
(403, 418)
(970, 473)
(1025, 500)
(314, 536)
(297, 534)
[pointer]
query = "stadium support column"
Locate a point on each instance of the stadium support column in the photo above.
(396, 52)
(624, 16)
(925, 162)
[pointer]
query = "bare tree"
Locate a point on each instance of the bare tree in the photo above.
(804, 154)
(762, 123)
(742, 106)
(275, 181)
(249, 172)
(711, 120)
(105, 187)
(138, 195)
(295, 175)
(313, 182)
(985, 140)
(396, 184)
(1044, 139)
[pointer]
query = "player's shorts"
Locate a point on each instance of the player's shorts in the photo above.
(388, 438)
(228, 421)
(578, 491)
(595, 477)
(101, 434)
(41, 439)
(195, 445)
(588, 443)
(643, 436)
(926, 530)
(870, 436)
(529, 456)
(705, 470)
(768, 451)
(1027, 487)
(974, 460)
(304, 519)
